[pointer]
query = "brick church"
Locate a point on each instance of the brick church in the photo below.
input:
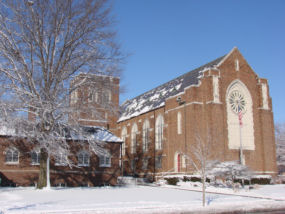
(160, 127)
(223, 101)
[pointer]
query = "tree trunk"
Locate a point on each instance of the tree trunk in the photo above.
(42, 182)
(204, 189)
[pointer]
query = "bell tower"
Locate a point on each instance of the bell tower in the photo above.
(94, 100)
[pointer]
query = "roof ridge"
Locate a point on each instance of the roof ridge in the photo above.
(187, 73)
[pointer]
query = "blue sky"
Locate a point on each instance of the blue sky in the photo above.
(167, 38)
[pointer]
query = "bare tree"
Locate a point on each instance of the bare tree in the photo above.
(280, 146)
(201, 157)
(44, 45)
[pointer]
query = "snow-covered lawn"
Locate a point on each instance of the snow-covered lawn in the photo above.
(139, 199)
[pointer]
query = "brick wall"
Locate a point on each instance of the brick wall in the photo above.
(26, 174)
(202, 115)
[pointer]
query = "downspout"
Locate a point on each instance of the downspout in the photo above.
(185, 137)
(154, 129)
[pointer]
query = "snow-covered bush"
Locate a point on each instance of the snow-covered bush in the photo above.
(231, 170)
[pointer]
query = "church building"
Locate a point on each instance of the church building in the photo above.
(224, 103)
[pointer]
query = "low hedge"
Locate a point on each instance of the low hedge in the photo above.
(172, 181)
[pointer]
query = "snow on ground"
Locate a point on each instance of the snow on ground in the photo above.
(139, 199)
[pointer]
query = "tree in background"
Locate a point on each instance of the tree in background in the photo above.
(44, 44)
(280, 146)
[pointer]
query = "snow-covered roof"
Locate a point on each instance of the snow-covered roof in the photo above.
(156, 97)
(101, 134)
(6, 131)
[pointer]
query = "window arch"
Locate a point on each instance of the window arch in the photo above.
(145, 134)
(124, 136)
(35, 157)
(83, 158)
(134, 138)
(12, 156)
(159, 124)
(179, 123)
(239, 103)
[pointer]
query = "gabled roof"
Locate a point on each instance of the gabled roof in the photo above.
(156, 97)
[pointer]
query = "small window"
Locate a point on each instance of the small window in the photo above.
(35, 157)
(158, 162)
(105, 161)
(61, 160)
(12, 156)
(83, 158)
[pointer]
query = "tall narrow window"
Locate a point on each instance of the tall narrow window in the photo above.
(90, 95)
(106, 96)
(12, 156)
(145, 163)
(35, 157)
(145, 135)
(159, 124)
(124, 136)
(83, 158)
(158, 162)
(134, 138)
(179, 123)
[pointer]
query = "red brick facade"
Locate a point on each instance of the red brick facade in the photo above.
(203, 114)
(24, 173)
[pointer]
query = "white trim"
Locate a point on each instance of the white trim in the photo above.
(221, 62)
(269, 172)
(187, 104)
(101, 121)
(213, 102)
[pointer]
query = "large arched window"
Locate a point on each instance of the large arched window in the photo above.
(134, 138)
(83, 158)
(179, 123)
(12, 156)
(124, 136)
(145, 135)
(239, 117)
(159, 124)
